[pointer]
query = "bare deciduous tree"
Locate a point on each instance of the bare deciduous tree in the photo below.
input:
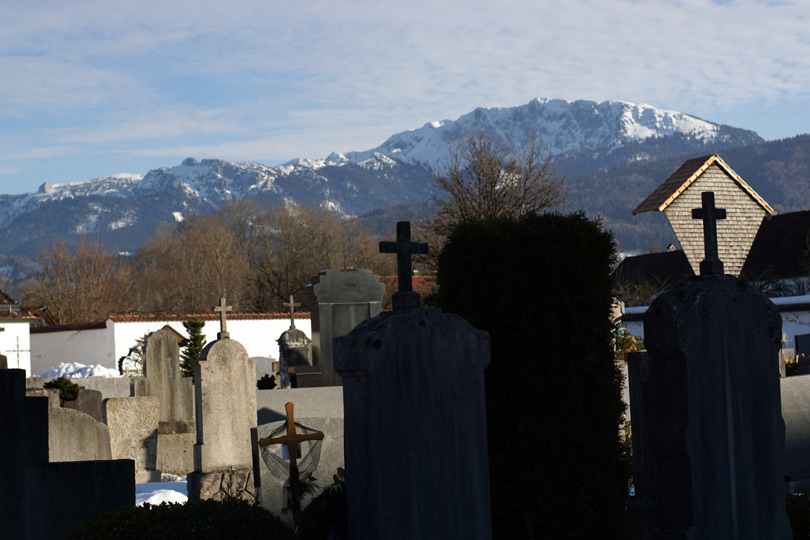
(483, 179)
(85, 285)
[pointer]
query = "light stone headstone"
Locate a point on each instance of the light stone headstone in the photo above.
(415, 422)
(708, 434)
(338, 301)
(133, 424)
(225, 401)
(162, 371)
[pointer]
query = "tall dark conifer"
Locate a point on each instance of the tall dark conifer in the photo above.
(196, 343)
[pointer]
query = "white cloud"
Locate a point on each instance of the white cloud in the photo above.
(245, 76)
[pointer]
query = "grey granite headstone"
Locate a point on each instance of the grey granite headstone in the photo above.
(133, 424)
(295, 350)
(87, 401)
(76, 436)
(270, 488)
(225, 400)
(708, 434)
(338, 301)
(416, 427)
(162, 371)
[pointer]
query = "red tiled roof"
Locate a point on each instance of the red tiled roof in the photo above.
(150, 317)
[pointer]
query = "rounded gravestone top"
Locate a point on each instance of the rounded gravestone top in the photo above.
(345, 286)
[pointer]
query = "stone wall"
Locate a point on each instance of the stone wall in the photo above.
(110, 387)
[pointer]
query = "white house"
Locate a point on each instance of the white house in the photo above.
(795, 312)
(15, 343)
(106, 342)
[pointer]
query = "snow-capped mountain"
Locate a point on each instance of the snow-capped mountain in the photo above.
(566, 129)
(123, 210)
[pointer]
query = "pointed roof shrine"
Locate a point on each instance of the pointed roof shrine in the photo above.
(681, 192)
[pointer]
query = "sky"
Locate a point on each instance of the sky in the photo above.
(90, 88)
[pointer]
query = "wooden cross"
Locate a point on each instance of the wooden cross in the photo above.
(405, 298)
(711, 265)
(291, 440)
(292, 305)
(222, 309)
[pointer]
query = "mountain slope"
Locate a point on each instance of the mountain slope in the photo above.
(122, 211)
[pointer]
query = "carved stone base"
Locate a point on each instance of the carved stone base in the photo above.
(220, 485)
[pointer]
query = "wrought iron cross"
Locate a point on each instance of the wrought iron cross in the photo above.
(292, 304)
(222, 309)
(711, 265)
(405, 298)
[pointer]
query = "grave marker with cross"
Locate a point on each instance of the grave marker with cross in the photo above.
(292, 304)
(291, 440)
(711, 265)
(223, 309)
(405, 298)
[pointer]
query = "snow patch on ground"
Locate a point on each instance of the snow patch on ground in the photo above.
(159, 492)
(75, 370)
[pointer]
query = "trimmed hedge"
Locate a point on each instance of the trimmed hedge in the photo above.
(202, 520)
(541, 287)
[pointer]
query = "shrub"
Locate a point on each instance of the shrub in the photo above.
(267, 382)
(202, 520)
(798, 511)
(541, 286)
(327, 515)
(68, 390)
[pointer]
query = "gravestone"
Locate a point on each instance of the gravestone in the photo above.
(76, 436)
(51, 393)
(225, 401)
(87, 401)
(270, 487)
(45, 500)
(133, 425)
(295, 349)
(175, 436)
(338, 301)
(415, 424)
(291, 445)
(162, 371)
(708, 434)
(3, 362)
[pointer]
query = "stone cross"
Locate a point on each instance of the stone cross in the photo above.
(222, 309)
(405, 298)
(292, 305)
(711, 265)
(291, 441)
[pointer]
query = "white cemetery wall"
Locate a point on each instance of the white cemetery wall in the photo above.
(105, 343)
(86, 345)
(15, 344)
(258, 336)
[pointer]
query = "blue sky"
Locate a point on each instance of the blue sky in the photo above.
(90, 87)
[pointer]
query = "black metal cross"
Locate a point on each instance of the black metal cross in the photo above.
(711, 265)
(292, 305)
(222, 309)
(405, 298)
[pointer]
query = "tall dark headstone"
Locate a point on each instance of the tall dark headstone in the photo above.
(415, 425)
(3, 362)
(708, 434)
(338, 301)
(295, 348)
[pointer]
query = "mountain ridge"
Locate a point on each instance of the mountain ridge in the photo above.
(123, 210)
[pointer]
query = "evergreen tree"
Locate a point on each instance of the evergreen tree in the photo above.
(196, 342)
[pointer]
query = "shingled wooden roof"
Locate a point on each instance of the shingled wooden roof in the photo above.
(684, 177)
